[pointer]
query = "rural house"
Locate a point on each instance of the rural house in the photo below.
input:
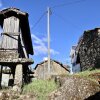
(56, 68)
(15, 47)
(88, 50)
(73, 56)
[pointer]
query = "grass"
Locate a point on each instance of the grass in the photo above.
(41, 87)
(87, 73)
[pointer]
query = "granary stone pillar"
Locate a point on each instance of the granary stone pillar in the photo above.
(1, 75)
(18, 81)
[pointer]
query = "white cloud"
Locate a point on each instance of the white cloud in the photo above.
(45, 39)
(53, 51)
(45, 58)
(40, 47)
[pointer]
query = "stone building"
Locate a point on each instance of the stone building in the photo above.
(88, 50)
(15, 47)
(56, 68)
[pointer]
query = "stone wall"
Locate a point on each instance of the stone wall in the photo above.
(41, 72)
(89, 50)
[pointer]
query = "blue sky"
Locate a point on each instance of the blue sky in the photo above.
(67, 24)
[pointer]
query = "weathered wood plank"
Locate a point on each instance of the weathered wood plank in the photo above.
(23, 47)
(12, 34)
(10, 61)
(11, 25)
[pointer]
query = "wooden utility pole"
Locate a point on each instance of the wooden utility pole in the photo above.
(48, 31)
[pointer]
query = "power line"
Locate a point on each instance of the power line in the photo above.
(56, 6)
(68, 3)
(39, 19)
(64, 20)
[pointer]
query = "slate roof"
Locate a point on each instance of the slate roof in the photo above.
(55, 62)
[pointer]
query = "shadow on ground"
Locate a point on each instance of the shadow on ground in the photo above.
(94, 97)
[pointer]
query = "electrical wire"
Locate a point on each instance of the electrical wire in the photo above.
(66, 20)
(56, 6)
(68, 3)
(39, 19)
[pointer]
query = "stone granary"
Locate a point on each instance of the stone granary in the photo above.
(15, 47)
(56, 69)
(88, 50)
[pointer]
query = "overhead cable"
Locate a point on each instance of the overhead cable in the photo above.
(39, 19)
(68, 3)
